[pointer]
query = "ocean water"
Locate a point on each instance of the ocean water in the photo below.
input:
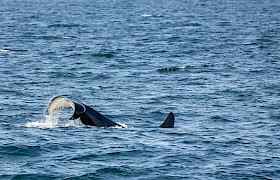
(214, 64)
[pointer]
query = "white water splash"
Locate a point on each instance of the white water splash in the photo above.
(146, 15)
(4, 50)
(50, 121)
(53, 121)
(123, 125)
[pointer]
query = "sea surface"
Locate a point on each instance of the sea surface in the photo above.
(214, 63)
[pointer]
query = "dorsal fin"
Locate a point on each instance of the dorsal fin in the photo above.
(169, 121)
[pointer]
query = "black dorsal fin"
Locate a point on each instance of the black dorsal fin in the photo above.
(169, 121)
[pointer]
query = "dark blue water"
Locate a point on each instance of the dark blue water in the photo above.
(215, 64)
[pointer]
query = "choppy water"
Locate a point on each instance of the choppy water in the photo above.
(215, 64)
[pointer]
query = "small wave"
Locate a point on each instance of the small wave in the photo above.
(15, 50)
(50, 37)
(110, 170)
(83, 157)
(33, 176)
(217, 118)
(4, 50)
(183, 68)
(107, 172)
(103, 54)
(123, 125)
(146, 15)
(175, 68)
(64, 25)
(20, 150)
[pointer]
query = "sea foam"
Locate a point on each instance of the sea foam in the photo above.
(53, 121)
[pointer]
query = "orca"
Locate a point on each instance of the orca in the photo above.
(91, 117)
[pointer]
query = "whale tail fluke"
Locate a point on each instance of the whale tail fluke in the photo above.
(60, 102)
(87, 115)
(169, 121)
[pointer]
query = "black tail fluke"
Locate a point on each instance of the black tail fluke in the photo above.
(169, 122)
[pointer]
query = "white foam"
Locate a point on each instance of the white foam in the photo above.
(146, 15)
(4, 50)
(56, 120)
(52, 121)
(181, 67)
(39, 124)
(123, 125)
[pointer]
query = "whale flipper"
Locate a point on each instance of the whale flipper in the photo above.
(169, 121)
